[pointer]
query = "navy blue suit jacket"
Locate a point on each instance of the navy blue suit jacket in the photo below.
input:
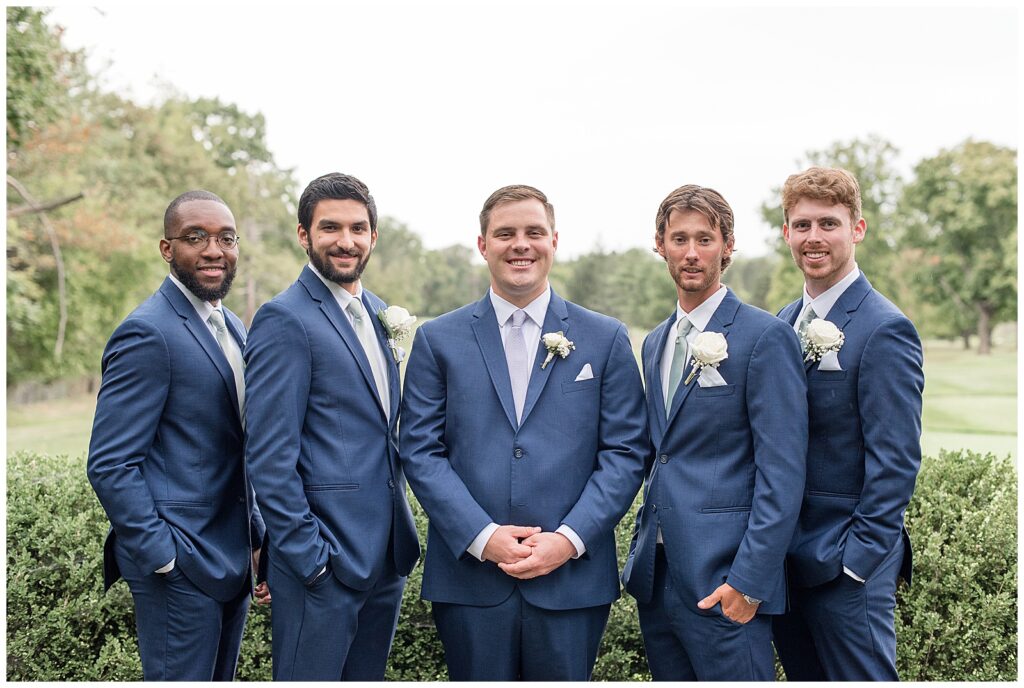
(575, 459)
(322, 455)
(166, 452)
(727, 473)
(865, 441)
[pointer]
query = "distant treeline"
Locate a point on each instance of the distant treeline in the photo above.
(90, 173)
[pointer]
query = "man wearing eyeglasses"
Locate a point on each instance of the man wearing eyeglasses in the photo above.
(166, 455)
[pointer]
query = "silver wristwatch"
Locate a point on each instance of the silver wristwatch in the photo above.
(750, 600)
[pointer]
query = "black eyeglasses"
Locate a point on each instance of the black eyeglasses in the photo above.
(200, 239)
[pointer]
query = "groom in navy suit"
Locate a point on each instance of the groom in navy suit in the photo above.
(322, 452)
(728, 419)
(525, 452)
(864, 399)
(165, 456)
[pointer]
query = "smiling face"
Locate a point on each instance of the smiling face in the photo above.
(519, 247)
(339, 241)
(694, 251)
(206, 271)
(821, 238)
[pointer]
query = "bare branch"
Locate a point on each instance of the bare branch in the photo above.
(42, 207)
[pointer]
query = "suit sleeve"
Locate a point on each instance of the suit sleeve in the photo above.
(136, 380)
(777, 409)
(889, 391)
(448, 502)
(623, 447)
(277, 379)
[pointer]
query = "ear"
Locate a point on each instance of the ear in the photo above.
(659, 245)
(728, 248)
(303, 237)
(554, 240)
(165, 250)
(785, 233)
(859, 230)
(373, 238)
(481, 245)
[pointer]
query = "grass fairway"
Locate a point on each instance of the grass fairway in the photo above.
(970, 402)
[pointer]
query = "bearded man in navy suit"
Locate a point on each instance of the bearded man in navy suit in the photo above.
(865, 381)
(322, 449)
(166, 455)
(525, 453)
(728, 418)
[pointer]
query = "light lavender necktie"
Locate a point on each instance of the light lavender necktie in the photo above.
(515, 356)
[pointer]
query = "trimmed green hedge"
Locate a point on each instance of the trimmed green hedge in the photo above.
(958, 621)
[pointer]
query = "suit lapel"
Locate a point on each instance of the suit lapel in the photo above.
(198, 329)
(556, 319)
(370, 302)
(843, 309)
(319, 292)
(652, 366)
(721, 320)
(488, 337)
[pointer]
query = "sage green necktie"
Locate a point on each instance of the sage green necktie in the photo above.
(364, 330)
(234, 356)
(679, 356)
(805, 319)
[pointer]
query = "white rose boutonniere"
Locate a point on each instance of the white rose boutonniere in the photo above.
(819, 338)
(398, 324)
(708, 349)
(556, 343)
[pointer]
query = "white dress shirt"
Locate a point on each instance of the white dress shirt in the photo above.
(535, 311)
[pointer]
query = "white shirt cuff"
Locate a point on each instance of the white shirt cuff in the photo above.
(573, 538)
(476, 548)
(168, 567)
(852, 575)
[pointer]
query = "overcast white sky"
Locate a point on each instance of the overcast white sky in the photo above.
(606, 107)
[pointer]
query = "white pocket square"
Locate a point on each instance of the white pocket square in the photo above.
(585, 373)
(830, 361)
(710, 377)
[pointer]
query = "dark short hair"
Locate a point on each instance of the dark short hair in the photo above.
(511, 194)
(705, 201)
(335, 185)
(171, 214)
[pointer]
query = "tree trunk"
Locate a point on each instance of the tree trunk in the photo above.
(966, 335)
(984, 329)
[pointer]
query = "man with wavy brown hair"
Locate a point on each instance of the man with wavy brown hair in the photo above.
(727, 411)
(865, 380)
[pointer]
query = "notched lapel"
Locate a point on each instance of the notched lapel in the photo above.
(653, 370)
(394, 388)
(556, 319)
(488, 338)
(319, 292)
(198, 329)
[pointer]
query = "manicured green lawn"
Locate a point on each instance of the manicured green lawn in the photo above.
(970, 402)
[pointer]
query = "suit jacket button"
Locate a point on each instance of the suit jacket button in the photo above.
(654, 507)
(518, 453)
(241, 500)
(391, 483)
(664, 458)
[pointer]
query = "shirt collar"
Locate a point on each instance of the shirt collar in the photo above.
(536, 310)
(823, 304)
(700, 316)
(341, 295)
(203, 308)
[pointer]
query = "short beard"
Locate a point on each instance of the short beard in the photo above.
(328, 271)
(193, 284)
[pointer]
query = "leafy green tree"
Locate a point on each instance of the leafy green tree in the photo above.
(963, 203)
